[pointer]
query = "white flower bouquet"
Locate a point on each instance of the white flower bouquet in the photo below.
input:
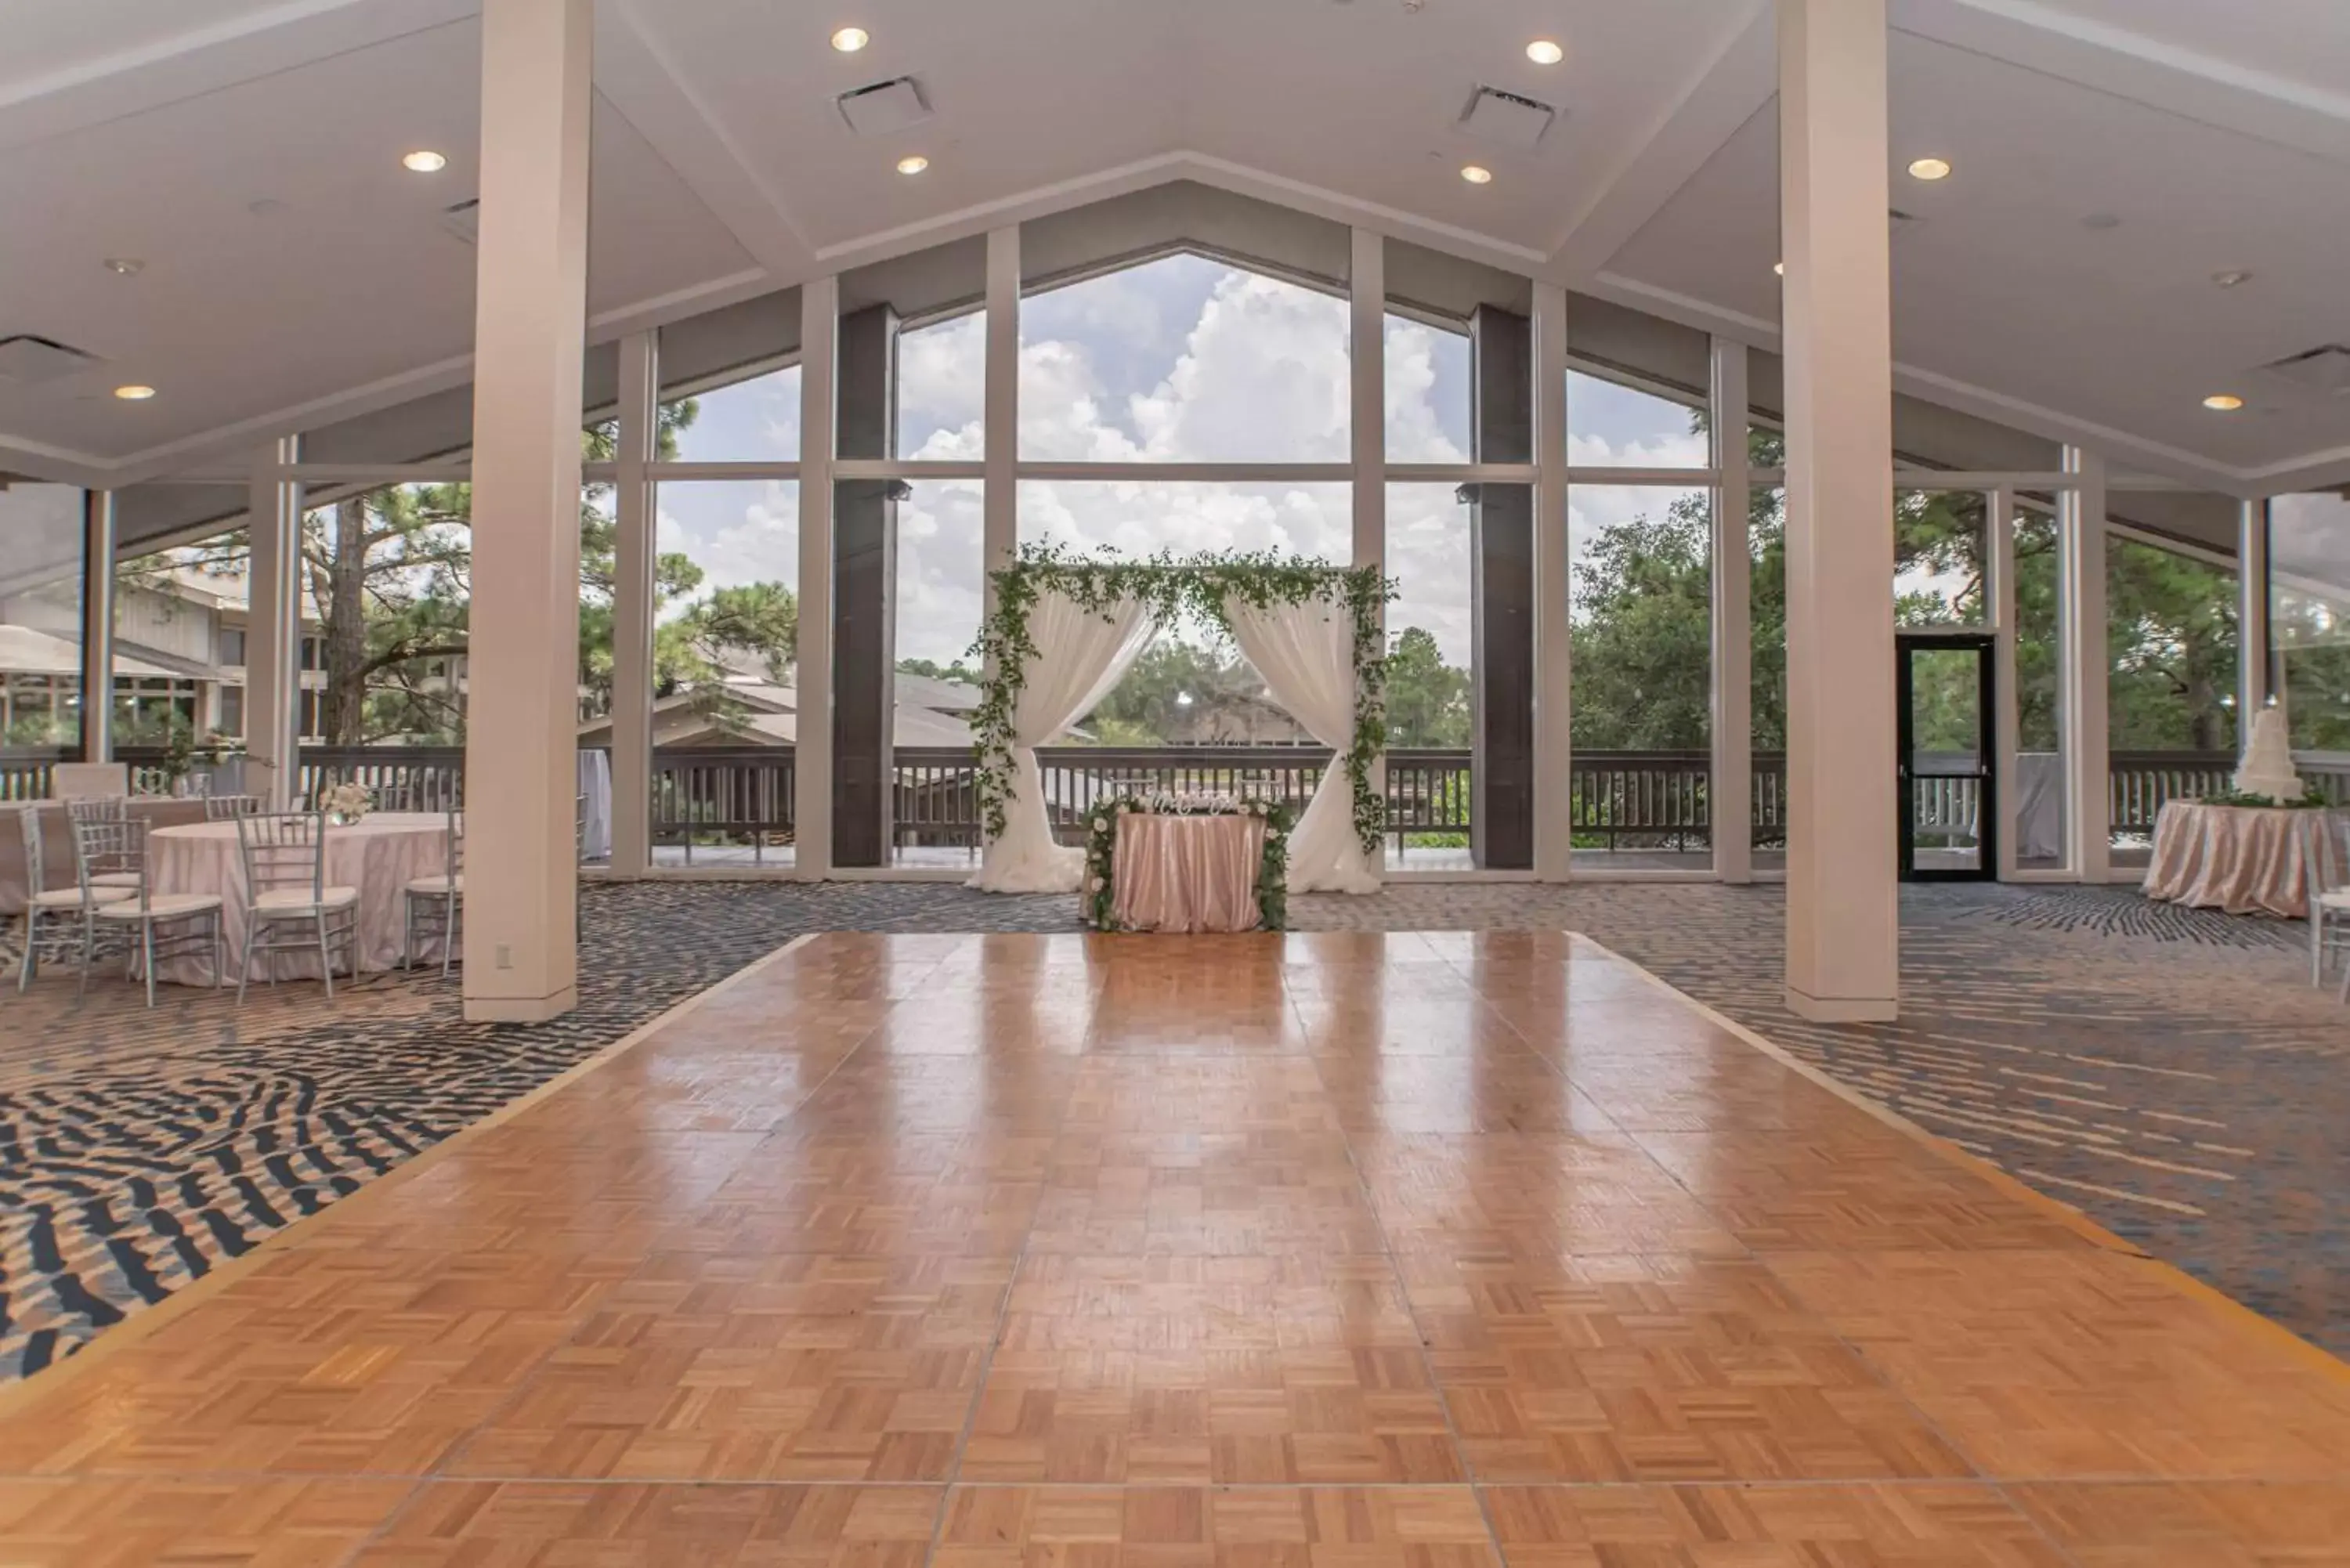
(347, 803)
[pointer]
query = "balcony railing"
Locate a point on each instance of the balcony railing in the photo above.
(742, 797)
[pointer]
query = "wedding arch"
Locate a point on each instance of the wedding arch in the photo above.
(1065, 627)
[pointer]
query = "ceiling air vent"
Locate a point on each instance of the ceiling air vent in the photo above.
(1507, 118)
(2325, 371)
(25, 360)
(465, 220)
(884, 107)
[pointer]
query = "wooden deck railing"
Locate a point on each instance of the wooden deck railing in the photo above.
(1619, 800)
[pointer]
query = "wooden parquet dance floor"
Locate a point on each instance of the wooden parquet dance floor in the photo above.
(1341, 1250)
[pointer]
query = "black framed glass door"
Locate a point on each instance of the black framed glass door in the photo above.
(1950, 806)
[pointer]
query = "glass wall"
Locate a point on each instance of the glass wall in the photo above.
(386, 595)
(1641, 615)
(1185, 359)
(2037, 814)
(1611, 425)
(180, 618)
(1431, 666)
(2309, 617)
(2170, 696)
(1940, 548)
(40, 633)
(725, 705)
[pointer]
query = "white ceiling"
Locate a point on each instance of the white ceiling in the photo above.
(144, 129)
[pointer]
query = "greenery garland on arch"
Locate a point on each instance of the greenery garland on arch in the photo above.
(1167, 585)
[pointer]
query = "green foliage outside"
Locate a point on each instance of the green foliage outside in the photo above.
(388, 576)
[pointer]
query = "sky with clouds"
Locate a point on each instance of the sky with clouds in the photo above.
(1179, 360)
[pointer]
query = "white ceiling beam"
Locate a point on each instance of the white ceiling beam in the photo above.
(640, 79)
(207, 59)
(1737, 81)
(2144, 70)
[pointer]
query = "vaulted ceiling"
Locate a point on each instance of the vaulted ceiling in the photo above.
(2112, 158)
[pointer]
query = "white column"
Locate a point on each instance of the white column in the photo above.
(523, 707)
(635, 551)
(2006, 728)
(1553, 651)
(1843, 908)
(812, 675)
(273, 628)
(96, 626)
(1367, 346)
(1730, 791)
(2087, 661)
(2251, 616)
(1000, 507)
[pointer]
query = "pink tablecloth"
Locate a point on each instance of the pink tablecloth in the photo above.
(2247, 860)
(378, 855)
(1187, 873)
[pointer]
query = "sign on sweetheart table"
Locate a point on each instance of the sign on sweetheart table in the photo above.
(378, 855)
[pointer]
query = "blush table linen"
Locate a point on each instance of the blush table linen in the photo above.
(2247, 860)
(1174, 873)
(378, 855)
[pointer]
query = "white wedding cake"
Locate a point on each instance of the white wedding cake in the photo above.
(2267, 768)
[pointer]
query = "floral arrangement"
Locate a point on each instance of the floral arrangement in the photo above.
(345, 803)
(1100, 896)
(2313, 800)
(1168, 586)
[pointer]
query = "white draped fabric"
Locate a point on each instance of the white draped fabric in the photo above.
(1080, 655)
(1307, 654)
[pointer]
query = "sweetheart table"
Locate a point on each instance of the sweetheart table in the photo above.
(1187, 873)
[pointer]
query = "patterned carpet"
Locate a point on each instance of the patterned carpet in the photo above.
(2170, 1071)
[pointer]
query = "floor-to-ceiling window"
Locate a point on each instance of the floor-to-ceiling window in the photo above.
(1193, 360)
(726, 704)
(2171, 619)
(2309, 618)
(1640, 558)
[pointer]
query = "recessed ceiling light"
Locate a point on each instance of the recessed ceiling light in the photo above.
(912, 164)
(1477, 174)
(848, 40)
(134, 394)
(2232, 278)
(124, 266)
(424, 160)
(1779, 267)
(1931, 169)
(1542, 52)
(2223, 402)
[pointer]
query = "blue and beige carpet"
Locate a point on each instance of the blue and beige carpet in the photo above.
(2169, 1071)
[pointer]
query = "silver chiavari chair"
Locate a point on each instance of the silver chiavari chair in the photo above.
(285, 858)
(229, 808)
(103, 808)
(64, 910)
(434, 906)
(168, 925)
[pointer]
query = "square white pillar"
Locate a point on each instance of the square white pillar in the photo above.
(2087, 661)
(273, 628)
(1843, 900)
(522, 720)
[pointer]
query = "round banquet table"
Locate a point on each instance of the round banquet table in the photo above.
(378, 855)
(2245, 860)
